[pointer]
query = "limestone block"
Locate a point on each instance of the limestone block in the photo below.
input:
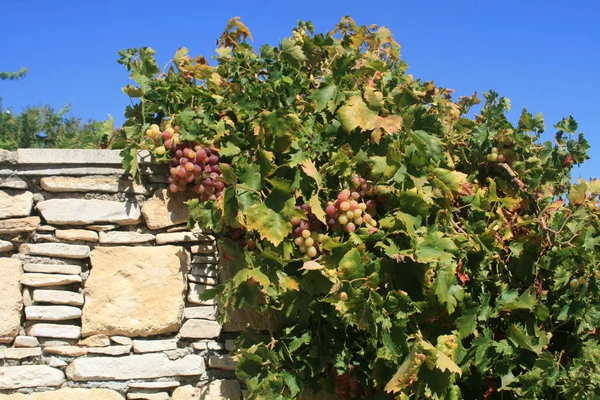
(87, 184)
(205, 280)
(40, 280)
(201, 312)
(76, 234)
(110, 350)
(54, 331)
(147, 396)
(223, 389)
(83, 212)
(66, 351)
(183, 237)
(11, 300)
(13, 183)
(15, 203)
(53, 268)
(58, 297)
(135, 291)
(165, 209)
(194, 293)
(26, 341)
(77, 394)
(124, 340)
(220, 361)
(95, 341)
(200, 329)
(125, 237)
(203, 248)
(19, 225)
(55, 250)
(154, 385)
(144, 366)
(204, 271)
(20, 353)
(6, 246)
(30, 376)
(52, 313)
(152, 346)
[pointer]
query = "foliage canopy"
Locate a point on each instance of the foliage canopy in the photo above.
(481, 279)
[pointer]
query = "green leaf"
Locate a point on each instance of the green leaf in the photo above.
(317, 209)
(324, 97)
(351, 265)
(270, 225)
(409, 368)
(355, 114)
(435, 247)
(428, 145)
(291, 52)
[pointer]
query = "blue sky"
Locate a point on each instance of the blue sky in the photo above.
(540, 54)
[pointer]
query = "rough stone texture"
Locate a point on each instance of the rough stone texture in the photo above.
(77, 394)
(11, 301)
(148, 396)
(91, 184)
(102, 228)
(53, 268)
(52, 313)
(200, 329)
(95, 341)
(142, 366)
(135, 291)
(26, 341)
(182, 237)
(220, 361)
(30, 376)
(204, 271)
(56, 250)
(83, 212)
(77, 234)
(125, 237)
(19, 225)
(202, 312)
(20, 353)
(154, 385)
(224, 389)
(58, 297)
(56, 362)
(165, 209)
(40, 280)
(66, 351)
(6, 246)
(194, 292)
(203, 248)
(110, 351)
(152, 346)
(15, 203)
(202, 279)
(205, 259)
(54, 331)
(8, 157)
(13, 183)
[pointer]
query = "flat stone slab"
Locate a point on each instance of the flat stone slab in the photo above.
(135, 291)
(63, 250)
(220, 361)
(58, 297)
(110, 350)
(154, 385)
(53, 268)
(20, 353)
(147, 396)
(201, 312)
(19, 225)
(165, 209)
(52, 313)
(202, 279)
(26, 341)
(66, 351)
(84, 212)
(194, 293)
(204, 271)
(200, 329)
(76, 234)
(183, 237)
(87, 184)
(153, 346)
(54, 331)
(117, 237)
(203, 248)
(216, 390)
(42, 280)
(30, 376)
(6, 246)
(11, 300)
(15, 203)
(12, 183)
(68, 394)
(144, 366)
(75, 156)
(96, 341)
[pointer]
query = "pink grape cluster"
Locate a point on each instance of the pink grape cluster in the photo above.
(363, 188)
(350, 212)
(196, 165)
(308, 235)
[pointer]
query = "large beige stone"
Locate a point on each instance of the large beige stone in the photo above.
(144, 366)
(15, 203)
(223, 389)
(19, 225)
(83, 212)
(125, 237)
(77, 234)
(135, 291)
(165, 209)
(30, 376)
(91, 184)
(200, 329)
(11, 300)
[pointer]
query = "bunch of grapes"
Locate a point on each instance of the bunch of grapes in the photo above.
(348, 213)
(346, 386)
(197, 166)
(308, 235)
(362, 187)
(239, 234)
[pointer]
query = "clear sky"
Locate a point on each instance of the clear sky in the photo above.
(541, 54)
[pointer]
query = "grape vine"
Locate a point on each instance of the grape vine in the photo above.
(398, 243)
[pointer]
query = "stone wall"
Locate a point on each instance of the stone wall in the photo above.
(100, 285)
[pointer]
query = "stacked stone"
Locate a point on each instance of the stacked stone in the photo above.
(100, 284)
